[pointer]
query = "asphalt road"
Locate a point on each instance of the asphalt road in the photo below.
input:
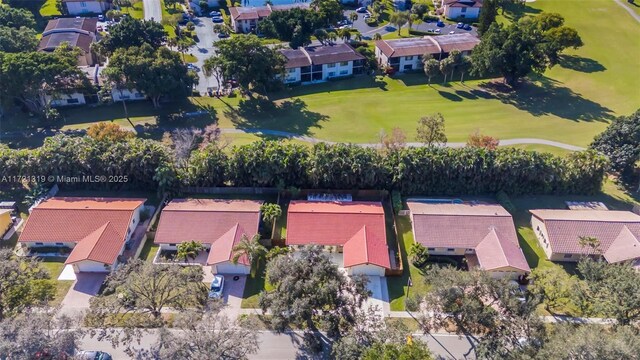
(204, 49)
(152, 10)
(284, 346)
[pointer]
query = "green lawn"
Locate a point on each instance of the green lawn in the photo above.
(149, 250)
(136, 10)
(397, 285)
(54, 267)
(49, 9)
(253, 287)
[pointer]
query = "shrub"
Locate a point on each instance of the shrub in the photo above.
(396, 201)
(419, 255)
(412, 303)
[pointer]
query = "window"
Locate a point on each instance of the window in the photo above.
(332, 65)
(344, 72)
(407, 67)
(39, 244)
(408, 57)
(344, 63)
(567, 256)
(173, 245)
(83, 4)
(72, 101)
(139, 95)
(463, 10)
(332, 74)
(125, 97)
(451, 249)
(59, 244)
(431, 249)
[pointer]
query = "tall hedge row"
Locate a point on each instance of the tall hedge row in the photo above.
(428, 171)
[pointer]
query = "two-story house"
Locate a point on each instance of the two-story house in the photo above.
(321, 63)
(246, 19)
(461, 9)
(406, 54)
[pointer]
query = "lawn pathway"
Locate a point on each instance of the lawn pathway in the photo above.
(506, 142)
(628, 9)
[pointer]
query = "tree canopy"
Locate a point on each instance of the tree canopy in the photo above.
(530, 45)
(25, 76)
(16, 18)
(621, 143)
(156, 73)
(294, 25)
(430, 130)
(22, 39)
(132, 32)
(253, 65)
(308, 285)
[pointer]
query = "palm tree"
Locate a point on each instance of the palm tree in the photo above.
(358, 36)
(189, 249)
(399, 18)
(332, 36)
(353, 16)
(345, 34)
(252, 249)
(377, 36)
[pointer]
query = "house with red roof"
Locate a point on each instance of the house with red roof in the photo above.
(354, 233)
(559, 233)
(93, 230)
(217, 224)
(483, 233)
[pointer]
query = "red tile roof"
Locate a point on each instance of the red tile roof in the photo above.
(358, 226)
(72, 219)
(486, 228)
(617, 231)
(205, 220)
(102, 245)
(222, 249)
(99, 226)
(366, 247)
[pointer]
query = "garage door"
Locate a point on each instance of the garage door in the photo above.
(91, 266)
(230, 268)
(371, 270)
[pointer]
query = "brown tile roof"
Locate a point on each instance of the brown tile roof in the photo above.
(408, 47)
(463, 3)
(295, 58)
(86, 24)
(102, 245)
(359, 226)
(462, 42)
(248, 13)
(486, 228)
(205, 220)
(328, 54)
(53, 40)
(615, 230)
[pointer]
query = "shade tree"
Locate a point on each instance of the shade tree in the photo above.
(431, 130)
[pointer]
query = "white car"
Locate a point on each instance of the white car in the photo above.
(451, 32)
(93, 355)
(217, 286)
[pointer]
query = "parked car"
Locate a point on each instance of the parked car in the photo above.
(467, 27)
(460, 25)
(93, 355)
(223, 35)
(367, 16)
(217, 19)
(215, 13)
(451, 32)
(100, 17)
(440, 23)
(437, 31)
(361, 10)
(217, 286)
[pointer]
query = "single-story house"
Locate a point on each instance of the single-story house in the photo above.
(85, 7)
(78, 32)
(406, 54)
(246, 19)
(461, 9)
(94, 230)
(321, 63)
(354, 232)
(483, 233)
(217, 224)
(559, 233)
(5, 220)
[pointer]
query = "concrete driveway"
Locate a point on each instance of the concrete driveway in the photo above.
(84, 288)
(232, 292)
(379, 295)
(443, 30)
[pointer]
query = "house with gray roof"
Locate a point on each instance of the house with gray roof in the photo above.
(78, 32)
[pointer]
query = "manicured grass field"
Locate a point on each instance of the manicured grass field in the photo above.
(49, 9)
(54, 267)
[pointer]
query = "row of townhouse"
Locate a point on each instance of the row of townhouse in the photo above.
(95, 232)
(246, 19)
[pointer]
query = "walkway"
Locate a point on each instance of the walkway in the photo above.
(506, 142)
(629, 10)
(152, 10)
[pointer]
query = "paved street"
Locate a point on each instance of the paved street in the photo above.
(203, 50)
(285, 346)
(152, 10)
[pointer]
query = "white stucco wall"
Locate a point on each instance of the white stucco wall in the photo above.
(457, 12)
(90, 266)
(129, 95)
(292, 75)
(540, 230)
(71, 99)
(338, 70)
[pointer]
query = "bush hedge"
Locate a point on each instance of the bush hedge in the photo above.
(426, 171)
